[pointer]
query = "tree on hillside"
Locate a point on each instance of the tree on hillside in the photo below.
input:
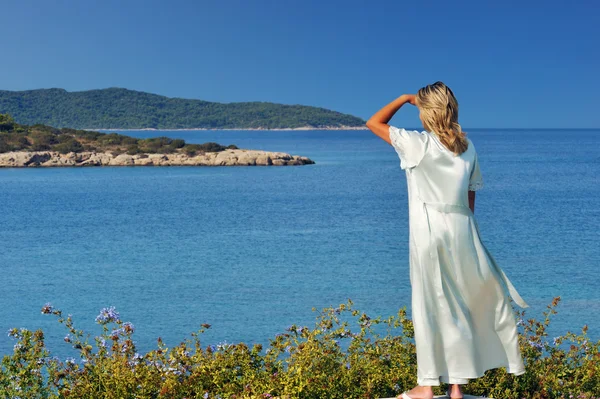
(7, 123)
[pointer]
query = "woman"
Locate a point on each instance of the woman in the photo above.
(463, 320)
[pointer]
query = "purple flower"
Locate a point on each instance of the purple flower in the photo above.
(537, 345)
(127, 327)
(108, 315)
(556, 339)
(288, 349)
(126, 346)
(117, 332)
(205, 396)
(223, 345)
(348, 365)
(520, 322)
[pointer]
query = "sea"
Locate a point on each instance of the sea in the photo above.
(251, 250)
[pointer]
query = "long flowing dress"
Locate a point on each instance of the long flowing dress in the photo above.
(463, 320)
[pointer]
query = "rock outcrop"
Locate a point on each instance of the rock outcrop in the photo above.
(224, 158)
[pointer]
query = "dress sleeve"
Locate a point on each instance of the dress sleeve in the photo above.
(410, 146)
(476, 180)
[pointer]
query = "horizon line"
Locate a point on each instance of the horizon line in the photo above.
(357, 128)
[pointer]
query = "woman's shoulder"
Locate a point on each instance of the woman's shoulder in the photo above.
(411, 145)
(408, 132)
(471, 146)
(401, 135)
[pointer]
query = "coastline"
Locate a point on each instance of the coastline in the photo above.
(238, 157)
(249, 129)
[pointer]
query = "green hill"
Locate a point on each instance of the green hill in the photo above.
(18, 137)
(116, 108)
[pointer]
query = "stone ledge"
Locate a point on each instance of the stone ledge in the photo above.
(238, 157)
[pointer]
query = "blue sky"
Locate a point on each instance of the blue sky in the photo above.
(511, 64)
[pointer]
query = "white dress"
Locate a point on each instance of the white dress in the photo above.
(463, 319)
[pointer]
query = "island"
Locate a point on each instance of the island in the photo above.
(122, 109)
(46, 146)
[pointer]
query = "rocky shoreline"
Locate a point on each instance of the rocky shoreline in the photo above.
(236, 157)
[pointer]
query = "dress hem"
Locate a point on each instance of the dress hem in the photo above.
(509, 370)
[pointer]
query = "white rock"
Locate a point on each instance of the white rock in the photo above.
(91, 158)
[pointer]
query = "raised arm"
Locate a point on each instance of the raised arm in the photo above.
(378, 123)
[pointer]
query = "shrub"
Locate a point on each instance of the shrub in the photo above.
(114, 139)
(211, 147)
(330, 360)
(15, 137)
(4, 146)
(6, 123)
(85, 134)
(177, 143)
(154, 145)
(13, 141)
(192, 149)
(133, 150)
(43, 140)
(44, 129)
(39, 147)
(63, 138)
(70, 145)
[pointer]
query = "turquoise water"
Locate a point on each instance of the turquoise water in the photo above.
(250, 250)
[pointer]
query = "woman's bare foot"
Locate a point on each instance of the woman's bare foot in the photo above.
(420, 392)
(454, 392)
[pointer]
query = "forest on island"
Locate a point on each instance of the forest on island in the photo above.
(117, 108)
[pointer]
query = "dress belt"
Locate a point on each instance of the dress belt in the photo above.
(448, 208)
(508, 287)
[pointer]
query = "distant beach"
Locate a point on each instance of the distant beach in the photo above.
(238, 129)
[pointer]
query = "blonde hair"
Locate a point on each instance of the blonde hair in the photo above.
(439, 113)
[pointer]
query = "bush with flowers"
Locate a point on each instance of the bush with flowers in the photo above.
(330, 360)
